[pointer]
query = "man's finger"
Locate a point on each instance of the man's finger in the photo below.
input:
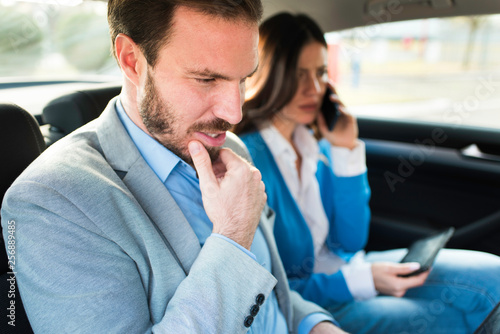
(230, 159)
(202, 162)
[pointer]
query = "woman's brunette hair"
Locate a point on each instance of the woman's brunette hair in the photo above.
(282, 38)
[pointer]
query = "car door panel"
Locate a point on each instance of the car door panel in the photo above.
(422, 182)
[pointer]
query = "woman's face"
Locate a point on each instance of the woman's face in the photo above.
(312, 82)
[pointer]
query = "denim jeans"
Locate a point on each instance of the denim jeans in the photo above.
(462, 288)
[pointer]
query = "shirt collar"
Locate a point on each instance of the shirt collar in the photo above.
(306, 143)
(302, 137)
(280, 146)
(161, 160)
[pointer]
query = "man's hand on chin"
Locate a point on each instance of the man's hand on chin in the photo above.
(232, 191)
(326, 328)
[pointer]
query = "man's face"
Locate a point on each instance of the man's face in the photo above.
(196, 89)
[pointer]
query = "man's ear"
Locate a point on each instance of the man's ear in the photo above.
(130, 58)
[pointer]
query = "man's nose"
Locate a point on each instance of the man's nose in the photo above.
(228, 105)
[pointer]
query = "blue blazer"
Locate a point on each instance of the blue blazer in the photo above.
(345, 200)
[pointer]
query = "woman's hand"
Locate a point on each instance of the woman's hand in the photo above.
(345, 131)
(388, 282)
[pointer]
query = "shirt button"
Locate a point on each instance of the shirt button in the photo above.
(248, 321)
(259, 300)
(254, 310)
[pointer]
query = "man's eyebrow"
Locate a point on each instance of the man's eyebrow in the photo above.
(206, 73)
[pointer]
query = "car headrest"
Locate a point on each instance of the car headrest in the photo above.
(21, 141)
(71, 111)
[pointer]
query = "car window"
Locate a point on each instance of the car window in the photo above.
(40, 38)
(50, 47)
(444, 70)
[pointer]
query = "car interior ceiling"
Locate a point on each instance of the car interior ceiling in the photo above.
(340, 14)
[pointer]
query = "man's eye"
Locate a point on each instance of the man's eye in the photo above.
(205, 80)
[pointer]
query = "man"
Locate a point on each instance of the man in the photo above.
(113, 233)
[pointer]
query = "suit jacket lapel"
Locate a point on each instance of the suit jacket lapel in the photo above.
(123, 156)
(267, 226)
(154, 198)
(278, 271)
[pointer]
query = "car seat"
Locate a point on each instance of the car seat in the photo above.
(69, 112)
(21, 141)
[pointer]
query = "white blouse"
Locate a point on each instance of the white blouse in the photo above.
(306, 193)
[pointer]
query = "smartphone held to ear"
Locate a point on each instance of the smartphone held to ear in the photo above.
(330, 110)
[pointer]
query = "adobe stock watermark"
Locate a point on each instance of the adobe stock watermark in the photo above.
(460, 111)
(362, 36)
(416, 158)
(421, 321)
(28, 28)
(11, 257)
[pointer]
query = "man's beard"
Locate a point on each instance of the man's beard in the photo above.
(159, 119)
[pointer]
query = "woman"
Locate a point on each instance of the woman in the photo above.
(316, 182)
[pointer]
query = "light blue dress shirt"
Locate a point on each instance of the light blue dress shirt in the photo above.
(181, 181)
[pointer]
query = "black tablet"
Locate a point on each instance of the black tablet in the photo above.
(424, 251)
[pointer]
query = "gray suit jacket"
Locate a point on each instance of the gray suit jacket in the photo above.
(102, 247)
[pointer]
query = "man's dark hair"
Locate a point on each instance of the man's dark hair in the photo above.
(149, 22)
